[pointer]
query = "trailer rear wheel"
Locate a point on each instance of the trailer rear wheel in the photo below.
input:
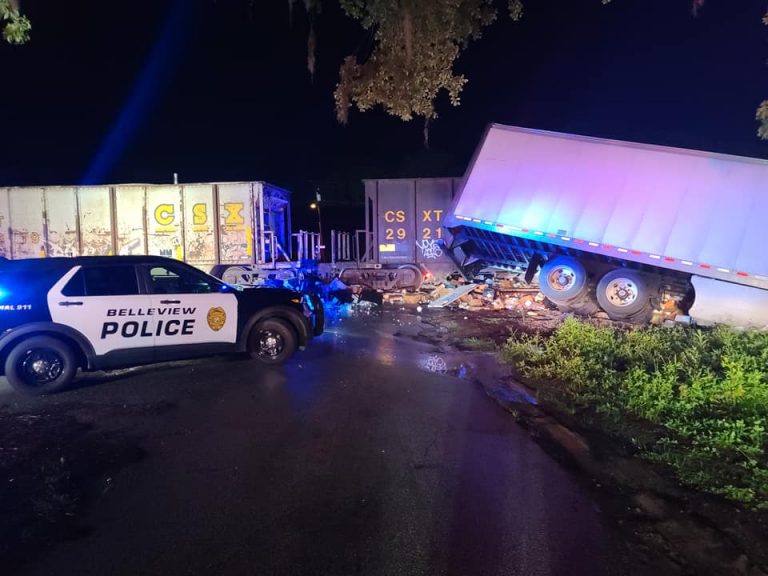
(582, 306)
(627, 294)
(564, 280)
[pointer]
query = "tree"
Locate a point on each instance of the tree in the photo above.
(414, 45)
(14, 24)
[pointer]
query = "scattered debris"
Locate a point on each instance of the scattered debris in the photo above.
(668, 313)
(443, 296)
(493, 292)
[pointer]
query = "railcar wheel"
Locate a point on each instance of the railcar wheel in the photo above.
(410, 277)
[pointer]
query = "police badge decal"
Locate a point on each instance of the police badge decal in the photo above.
(216, 318)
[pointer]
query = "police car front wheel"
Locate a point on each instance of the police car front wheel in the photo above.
(40, 365)
(272, 341)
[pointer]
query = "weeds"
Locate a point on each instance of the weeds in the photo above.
(705, 392)
(478, 344)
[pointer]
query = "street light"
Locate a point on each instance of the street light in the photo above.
(316, 206)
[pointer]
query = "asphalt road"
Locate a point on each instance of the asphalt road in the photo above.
(351, 459)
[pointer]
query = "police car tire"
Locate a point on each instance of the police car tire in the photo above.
(277, 327)
(16, 376)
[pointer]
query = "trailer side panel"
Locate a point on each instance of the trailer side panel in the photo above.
(678, 209)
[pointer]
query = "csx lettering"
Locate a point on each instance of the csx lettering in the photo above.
(394, 216)
(427, 215)
(164, 214)
(133, 328)
(199, 214)
(233, 213)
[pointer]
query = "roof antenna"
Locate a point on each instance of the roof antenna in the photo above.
(175, 177)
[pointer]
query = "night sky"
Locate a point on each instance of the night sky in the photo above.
(218, 90)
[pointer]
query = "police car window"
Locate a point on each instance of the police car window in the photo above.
(103, 281)
(179, 280)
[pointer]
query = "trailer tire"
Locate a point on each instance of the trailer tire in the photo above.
(585, 305)
(563, 279)
(626, 294)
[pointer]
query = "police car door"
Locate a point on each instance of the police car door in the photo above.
(103, 302)
(190, 307)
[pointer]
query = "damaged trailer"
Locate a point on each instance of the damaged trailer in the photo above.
(617, 226)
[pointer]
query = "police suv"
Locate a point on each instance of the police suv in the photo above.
(104, 312)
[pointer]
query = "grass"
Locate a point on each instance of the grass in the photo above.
(478, 344)
(701, 395)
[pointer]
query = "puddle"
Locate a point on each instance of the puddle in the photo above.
(515, 393)
(439, 363)
(336, 313)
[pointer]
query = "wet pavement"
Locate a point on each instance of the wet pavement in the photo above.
(366, 454)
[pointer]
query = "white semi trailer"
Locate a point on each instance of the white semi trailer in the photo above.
(617, 225)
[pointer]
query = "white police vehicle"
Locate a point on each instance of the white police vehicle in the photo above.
(105, 312)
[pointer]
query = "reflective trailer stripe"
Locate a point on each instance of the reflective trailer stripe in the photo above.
(592, 244)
